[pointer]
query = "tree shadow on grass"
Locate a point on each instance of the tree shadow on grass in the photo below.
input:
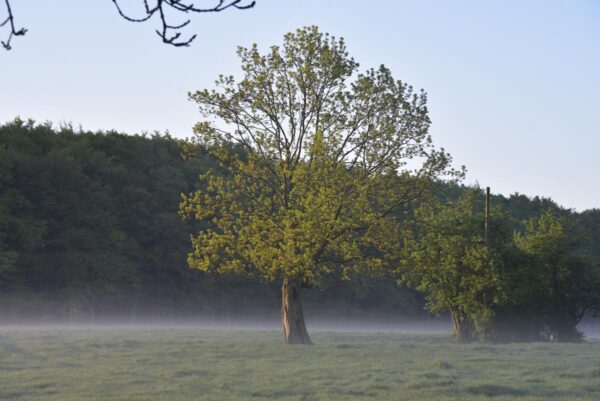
(496, 390)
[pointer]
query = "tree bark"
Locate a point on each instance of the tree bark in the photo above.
(463, 327)
(292, 317)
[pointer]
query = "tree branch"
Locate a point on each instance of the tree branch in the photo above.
(10, 21)
(170, 33)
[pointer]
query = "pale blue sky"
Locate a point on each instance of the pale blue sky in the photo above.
(514, 86)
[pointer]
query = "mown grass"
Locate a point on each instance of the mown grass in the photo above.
(181, 364)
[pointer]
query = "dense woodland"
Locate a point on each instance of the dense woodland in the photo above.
(89, 229)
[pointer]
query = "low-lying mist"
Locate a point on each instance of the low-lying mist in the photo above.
(439, 326)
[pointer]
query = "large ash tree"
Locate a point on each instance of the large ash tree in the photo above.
(319, 162)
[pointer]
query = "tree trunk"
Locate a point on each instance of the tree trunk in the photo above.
(463, 327)
(292, 318)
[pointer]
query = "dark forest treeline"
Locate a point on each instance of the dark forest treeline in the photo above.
(89, 229)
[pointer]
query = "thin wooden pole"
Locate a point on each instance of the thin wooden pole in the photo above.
(487, 216)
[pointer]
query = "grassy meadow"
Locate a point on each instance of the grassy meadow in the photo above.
(185, 364)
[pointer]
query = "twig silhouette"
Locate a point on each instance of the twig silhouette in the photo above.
(170, 33)
(10, 21)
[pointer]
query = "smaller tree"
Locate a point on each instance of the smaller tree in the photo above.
(570, 282)
(448, 260)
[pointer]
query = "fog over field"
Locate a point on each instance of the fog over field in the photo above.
(434, 326)
(417, 327)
